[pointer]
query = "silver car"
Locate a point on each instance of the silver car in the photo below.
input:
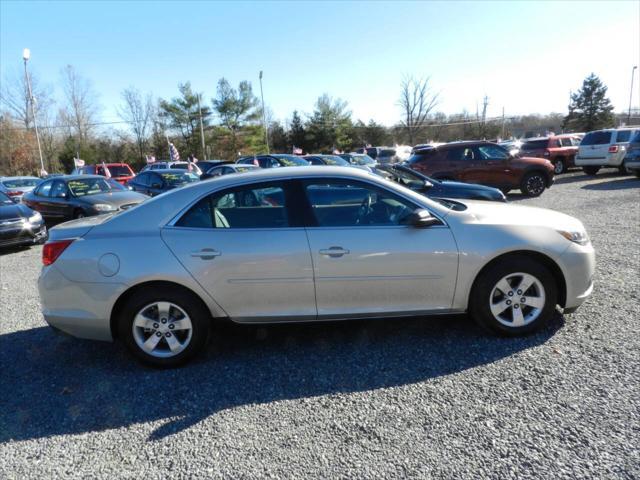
(306, 244)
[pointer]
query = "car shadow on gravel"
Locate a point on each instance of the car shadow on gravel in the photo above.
(621, 184)
(57, 385)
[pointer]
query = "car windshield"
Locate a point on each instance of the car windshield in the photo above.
(173, 179)
(362, 160)
(89, 186)
(335, 160)
(244, 168)
(292, 161)
(115, 185)
(21, 182)
(5, 200)
(117, 170)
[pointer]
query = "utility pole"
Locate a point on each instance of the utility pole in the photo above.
(26, 53)
(264, 118)
(633, 71)
(204, 153)
(502, 134)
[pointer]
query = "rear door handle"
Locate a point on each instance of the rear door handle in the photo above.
(334, 251)
(206, 254)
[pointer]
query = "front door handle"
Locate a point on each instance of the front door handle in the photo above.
(206, 254)
(334, 251)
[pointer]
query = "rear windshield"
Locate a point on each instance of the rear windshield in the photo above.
(116, 170)
(334, 160)
(596, 138)
(534, 145)
(387, 153)
(292, 161)
(421, 156)
(175, 179)
(21, 182)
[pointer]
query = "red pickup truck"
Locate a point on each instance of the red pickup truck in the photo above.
(560, 150)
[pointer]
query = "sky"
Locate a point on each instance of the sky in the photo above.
(525, 56)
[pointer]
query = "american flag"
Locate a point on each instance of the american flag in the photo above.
(297, 151)
(106, 171)
(150, 159)
(78, 162)
(173, 153)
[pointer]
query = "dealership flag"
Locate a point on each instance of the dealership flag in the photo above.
(150, 159)
(106, 171)
(297, 151)
(173, 153)
(78, 162)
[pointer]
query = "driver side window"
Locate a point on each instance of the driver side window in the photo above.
(345, 203)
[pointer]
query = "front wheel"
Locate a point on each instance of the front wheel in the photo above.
(515, 296)
(533, 184)
(79, 214)
(591, 170)
(164, 327)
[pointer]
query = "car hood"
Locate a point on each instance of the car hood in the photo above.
(117, 198)
(509, 214)
(15, 211)
(525, 161)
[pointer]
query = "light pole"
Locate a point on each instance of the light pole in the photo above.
(26, 54)
(204, 153)
(264, 118)
(633, 71)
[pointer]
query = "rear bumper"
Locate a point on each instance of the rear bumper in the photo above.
(608, 161)
(90, 313)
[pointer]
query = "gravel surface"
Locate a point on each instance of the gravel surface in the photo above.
(402, 398)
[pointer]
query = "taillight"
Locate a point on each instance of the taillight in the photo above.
(613, 149)
(52, 250)
(14, 193)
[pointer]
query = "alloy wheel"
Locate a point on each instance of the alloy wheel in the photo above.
(162, 329)
(535, 185)
(558, 168)
(517, 299)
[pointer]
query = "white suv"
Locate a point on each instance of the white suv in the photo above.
(604, 148)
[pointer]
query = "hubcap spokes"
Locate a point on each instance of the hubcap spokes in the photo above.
(162, 329)
(535, 184)
(517, 299)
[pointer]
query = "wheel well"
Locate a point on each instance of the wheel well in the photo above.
(122, 300)
(539, 257)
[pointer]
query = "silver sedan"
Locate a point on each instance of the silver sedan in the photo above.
(296, 245)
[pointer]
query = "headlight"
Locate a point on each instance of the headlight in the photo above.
(579, 237)
(35, 218)
(104, 207)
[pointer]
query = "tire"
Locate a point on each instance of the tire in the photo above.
(591, 170)
(637, 173)
(487, 295)
(560, 166)
(184, 310)
(533, 184)
(78, 213)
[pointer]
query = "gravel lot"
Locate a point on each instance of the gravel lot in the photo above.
(403, 398)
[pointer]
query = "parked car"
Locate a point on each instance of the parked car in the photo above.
(226, 169)
(120, 172)
(306, 244)
(274, 160)
(431, 187)
(173, 165)
(632, 157)
(154, 183)
(16, 187)
(484, 163)
(205, 165)
(604, 148)
(19, 225)
(560, 150)
(77, 196)
(381, 154)
(321, 159)
(511, 146)
(359, 159)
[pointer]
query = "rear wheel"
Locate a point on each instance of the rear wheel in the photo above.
(164, 327)
(559, 166)
(533, 184)
(516, 295)
(591, 170)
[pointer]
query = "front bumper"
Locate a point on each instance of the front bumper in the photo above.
(90, 316)
(579, 266)
(23, 234)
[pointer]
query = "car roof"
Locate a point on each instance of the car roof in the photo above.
(75, 177)
(19, 177)
(167, 170)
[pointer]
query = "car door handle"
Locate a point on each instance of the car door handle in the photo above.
(206, 254)
(334, 251)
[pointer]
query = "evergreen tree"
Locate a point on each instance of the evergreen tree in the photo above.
(297, 134)
(590, 109)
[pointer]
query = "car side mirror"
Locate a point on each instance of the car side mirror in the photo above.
(421, 218)
(427, 185)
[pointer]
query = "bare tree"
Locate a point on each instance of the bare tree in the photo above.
(81, 104)
(14, 96)
(417, 101)
(139, 112)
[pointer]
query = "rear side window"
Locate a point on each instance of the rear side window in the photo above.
(421, 156)
(635, 138)
(255, 206)
(534, 145)
(566, 142)
(596, 138)
(44, 189)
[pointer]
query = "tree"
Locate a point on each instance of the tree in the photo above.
(278, 140)
(590, 109)
(14, 96)
(139, 113)
(297, 133)
(330, 125)
(81, 107)
(183, 115)
(416, 101)
(236, 108)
